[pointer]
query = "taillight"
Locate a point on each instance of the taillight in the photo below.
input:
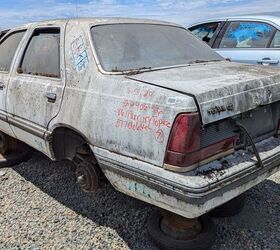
(185, 134)
(184, 152)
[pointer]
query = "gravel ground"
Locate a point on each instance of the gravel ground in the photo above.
(42, 208)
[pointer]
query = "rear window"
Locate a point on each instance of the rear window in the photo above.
(124, 47)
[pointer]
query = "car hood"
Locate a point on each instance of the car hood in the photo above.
(220, 89)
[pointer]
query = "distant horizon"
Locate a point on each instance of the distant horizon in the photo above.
(16, 12)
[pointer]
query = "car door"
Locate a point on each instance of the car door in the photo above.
(248, 42)
(8, 49)
(36, 86)
(274, 49)
(207, 32)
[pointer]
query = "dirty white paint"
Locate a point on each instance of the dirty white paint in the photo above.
(209, 178)
(127, 120)
(229, 88)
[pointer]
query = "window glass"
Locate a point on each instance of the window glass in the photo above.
(276, 40)
(42, 56)
(8, 49)
(124, 47)
(205, 31)
(247, 35)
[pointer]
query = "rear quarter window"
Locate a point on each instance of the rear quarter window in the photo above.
(276, 40)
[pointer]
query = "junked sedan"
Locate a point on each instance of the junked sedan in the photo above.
(162, 116)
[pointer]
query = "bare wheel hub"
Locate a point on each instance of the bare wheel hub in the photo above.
(179, 227)
(87, 176)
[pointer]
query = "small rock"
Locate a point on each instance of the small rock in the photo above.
(2, 173)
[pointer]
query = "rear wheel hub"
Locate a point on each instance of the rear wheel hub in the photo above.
(87, 176)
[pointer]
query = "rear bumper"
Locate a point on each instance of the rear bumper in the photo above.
(194, 193)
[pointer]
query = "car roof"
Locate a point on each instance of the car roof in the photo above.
(268, 18)
(3, 32)
(96, 21)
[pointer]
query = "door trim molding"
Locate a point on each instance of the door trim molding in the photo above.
(23, 124)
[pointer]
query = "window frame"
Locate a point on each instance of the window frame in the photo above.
(26, 45)
(227, 25)
(277, 31)
(4, 37)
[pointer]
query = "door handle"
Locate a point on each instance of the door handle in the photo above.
(51, 97)
(2, 86)
(268, 61)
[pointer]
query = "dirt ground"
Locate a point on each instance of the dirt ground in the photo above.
(41, 207)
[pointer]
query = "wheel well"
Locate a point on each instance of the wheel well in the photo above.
(66, 143)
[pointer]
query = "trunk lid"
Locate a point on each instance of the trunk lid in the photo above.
(220, 89)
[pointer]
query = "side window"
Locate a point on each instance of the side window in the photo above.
(276, 40)
(205, 31)
(42, 55)
(247, 35)
(8, 48)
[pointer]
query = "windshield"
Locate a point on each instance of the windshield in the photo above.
(125, 47)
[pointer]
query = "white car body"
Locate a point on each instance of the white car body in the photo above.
(103, 108)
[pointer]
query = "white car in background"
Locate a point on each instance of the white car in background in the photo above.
(246, 39)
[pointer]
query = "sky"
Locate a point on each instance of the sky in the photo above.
(15, 12)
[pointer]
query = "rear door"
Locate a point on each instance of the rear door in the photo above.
(36, 86)
(8, 49)
(248, 42)
(274, 49)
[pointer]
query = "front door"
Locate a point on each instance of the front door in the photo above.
(8, 49)
(36, 86)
